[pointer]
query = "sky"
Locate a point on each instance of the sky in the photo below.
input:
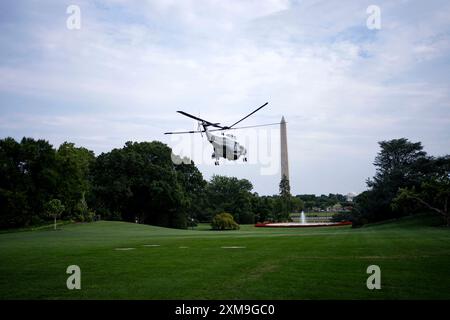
(341, 84)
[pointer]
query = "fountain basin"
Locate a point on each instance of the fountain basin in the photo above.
(302, 225)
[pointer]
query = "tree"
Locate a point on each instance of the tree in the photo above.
(229, 194)
(74, 185)
(224, 221)
(194, 186)
(14, 207)
(285, 188)
(309, 201)
(285, 204)
(38, 166)
(28, 181)
(263, 207)
(396, 167)
(397, 156)
(434, 191)
(54, 208)
(297, 204)
(140, 181)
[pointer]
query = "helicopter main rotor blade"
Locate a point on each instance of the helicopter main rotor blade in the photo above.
(265, 104)
(224, 129)
(183, 132)
(247, 127)
(199, 119)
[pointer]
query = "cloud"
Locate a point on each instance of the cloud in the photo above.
(341, 86)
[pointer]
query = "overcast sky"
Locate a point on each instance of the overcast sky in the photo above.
(341, 86)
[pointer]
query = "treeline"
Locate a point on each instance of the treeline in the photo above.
(141, 183)
(136, 183)
(323, 202)
(33, 173)
(407, 181)
(234, 196)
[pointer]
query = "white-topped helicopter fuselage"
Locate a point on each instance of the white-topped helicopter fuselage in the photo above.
(225, 146)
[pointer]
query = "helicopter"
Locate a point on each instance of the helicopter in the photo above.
(224, 145)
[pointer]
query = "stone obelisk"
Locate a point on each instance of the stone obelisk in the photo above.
(284, 150)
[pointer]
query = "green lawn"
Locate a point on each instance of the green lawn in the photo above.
(314, 263)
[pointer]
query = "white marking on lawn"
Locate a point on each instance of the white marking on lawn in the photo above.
(183, 247)
(125, 249)
(152, 245)
(234, 247)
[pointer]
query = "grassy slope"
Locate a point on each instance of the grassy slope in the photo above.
(316, 263)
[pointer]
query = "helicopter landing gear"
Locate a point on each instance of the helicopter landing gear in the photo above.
(245, 159)
(216, 163)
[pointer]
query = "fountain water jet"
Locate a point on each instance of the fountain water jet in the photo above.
(302, 218)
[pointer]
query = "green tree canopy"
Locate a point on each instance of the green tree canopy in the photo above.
(284, 204)
(194, 186)
(74, 182)
(433, 193)
(140, 181)
(229, 194)
(403, 171)
(28, 180)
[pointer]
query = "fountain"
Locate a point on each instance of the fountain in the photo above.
(302, 223)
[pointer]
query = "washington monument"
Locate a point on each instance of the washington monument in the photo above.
(284, 150)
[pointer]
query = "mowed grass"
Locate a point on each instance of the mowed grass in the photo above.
(303, 263)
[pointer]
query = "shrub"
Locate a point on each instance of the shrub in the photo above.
(54, 208)
(224, 221)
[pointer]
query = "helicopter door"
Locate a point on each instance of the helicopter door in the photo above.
(235, 150)
(224, 147)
